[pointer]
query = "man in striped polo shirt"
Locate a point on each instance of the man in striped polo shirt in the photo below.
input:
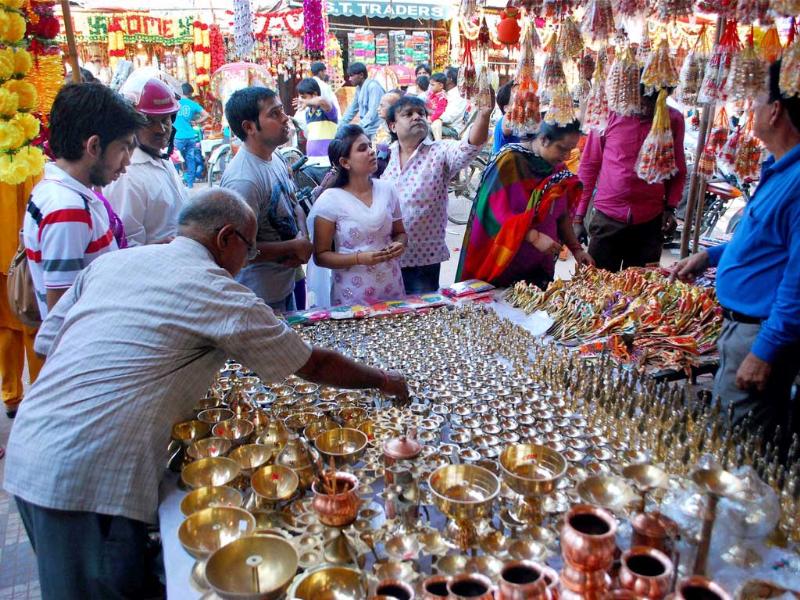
(66, 225)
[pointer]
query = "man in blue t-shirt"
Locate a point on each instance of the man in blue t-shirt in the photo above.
(189, 114)
(502, 132)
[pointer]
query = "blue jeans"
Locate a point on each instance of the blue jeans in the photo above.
(421, 280)
(285, 305)
(188, 149)
(84, 555)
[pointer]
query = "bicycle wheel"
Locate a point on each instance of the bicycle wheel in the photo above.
(463, 191)
(216, 169)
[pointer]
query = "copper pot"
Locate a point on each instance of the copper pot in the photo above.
(588, 538)
(522, 580)
(699, 588)
(340, 508)
(435, 588)
(581, 582)
(470, 586)
(601, 594)
(394, 588)
(654, 530)
(647, 572)
(405, 447)
(551, 580)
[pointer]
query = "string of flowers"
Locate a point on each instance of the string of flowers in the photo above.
(19, 160)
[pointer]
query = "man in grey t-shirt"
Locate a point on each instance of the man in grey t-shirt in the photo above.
(261, 176)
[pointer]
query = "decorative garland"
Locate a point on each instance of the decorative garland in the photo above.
(285, 18)
(19, 160)
(314, 21)
(202, 53)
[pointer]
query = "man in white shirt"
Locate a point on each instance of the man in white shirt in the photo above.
(320, 72)
(149, 197)
(66, 225)
(132, 345)
(453, 116)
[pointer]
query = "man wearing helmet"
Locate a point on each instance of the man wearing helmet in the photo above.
(150, 195)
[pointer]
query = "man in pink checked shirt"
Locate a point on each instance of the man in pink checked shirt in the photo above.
(631, 217)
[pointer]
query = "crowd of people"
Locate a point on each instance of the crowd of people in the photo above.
(144, 290)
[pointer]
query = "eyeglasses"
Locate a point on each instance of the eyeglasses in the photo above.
(252, 250)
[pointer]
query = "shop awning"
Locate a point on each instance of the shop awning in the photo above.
(391, 9)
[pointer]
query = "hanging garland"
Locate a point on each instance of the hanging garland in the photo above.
(202, 53)
(19, 160)
(314, 38)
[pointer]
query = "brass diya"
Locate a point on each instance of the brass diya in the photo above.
(606, 491)
(330, 583)
(207, 448)
(238, 431)
(532, 471)
(251, 456)
(212, 416)
(319, 426)
(345, 446)
(465, 493)
(275, 434)
(274, 484)
(190, 431)
(209, 529)
(300, 457)
(214, 471)
(299, 421)
(645, 479)
(715, 483)
(205, 497)
(256, 567)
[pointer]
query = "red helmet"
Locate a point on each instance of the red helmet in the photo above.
(156, 98)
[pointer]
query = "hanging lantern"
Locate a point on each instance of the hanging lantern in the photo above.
(659, 71)
(561, 111)
(524, 115)
(598, 21)
(656, 160)
(749, 75)
(596, 116)
(552, 74)
(622, 85)
(570, 42)
(713, 87)
(508, 28)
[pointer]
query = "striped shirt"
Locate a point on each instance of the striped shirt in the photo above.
(321, 127)
(66, 227)
(130, 349)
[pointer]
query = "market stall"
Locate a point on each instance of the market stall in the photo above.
(513, 449)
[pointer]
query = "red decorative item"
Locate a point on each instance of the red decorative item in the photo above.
(716, 75)
(217, 48)
(467, 75)
(508, 29)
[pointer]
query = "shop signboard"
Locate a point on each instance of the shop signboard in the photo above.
(390, 9)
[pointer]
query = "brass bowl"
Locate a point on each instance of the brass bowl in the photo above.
(464, 492)
(299, 421)
(330, 583)
(717, 481)
(210, 496)
(252, 456)
(260, 420)
(238, 431)
(256, 567)
(306, 388)
(319, 426)
(212, 416)
(402, 547)
(403, 571)
(606, 491)
(214, 471)
(209, 529)
(531, 470)
(646, 477)
(206, 403)
(345, 445)
(187, 432)
(208, 447)
(274, 483)
(451, 564)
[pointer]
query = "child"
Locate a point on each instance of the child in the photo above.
(423, 82)
(321, 119)
(437, 103)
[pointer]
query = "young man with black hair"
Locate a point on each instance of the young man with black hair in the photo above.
(320, 119)
(631, 217)
(758, 280)
(503, 134)
(366, 102)
(421, 170)
(261, 176)
(319, 71)
(453, 116)
(66, 225)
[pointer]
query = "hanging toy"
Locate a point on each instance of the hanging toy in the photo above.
(659, 71)
(596, 116)
(749, 75)
(622, 85)
(713, 87)
(694, 66)
(552, 74)
(770, 48)
(598, 21)
(561, 111)
(570, 42)
(508, 28)
(656, 160)
(467, 75)
(747, 155)
(524, 111)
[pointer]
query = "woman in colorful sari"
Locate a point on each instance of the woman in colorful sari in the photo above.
(522, 214)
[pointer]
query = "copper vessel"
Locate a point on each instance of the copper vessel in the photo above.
(337, 507)
(699, 588)
(582, 582)
(405, 447)
(522, 580)
(646, 572)
(654, 530)
(551, 580)
(435, 588)
(588, 538)
(394, 588)
(470, 586)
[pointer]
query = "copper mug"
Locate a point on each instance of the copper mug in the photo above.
(551, 581)
(393, 588)
(470, 586)
(522, 580)
(435, 588)
(646, 572)
(588, 538)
